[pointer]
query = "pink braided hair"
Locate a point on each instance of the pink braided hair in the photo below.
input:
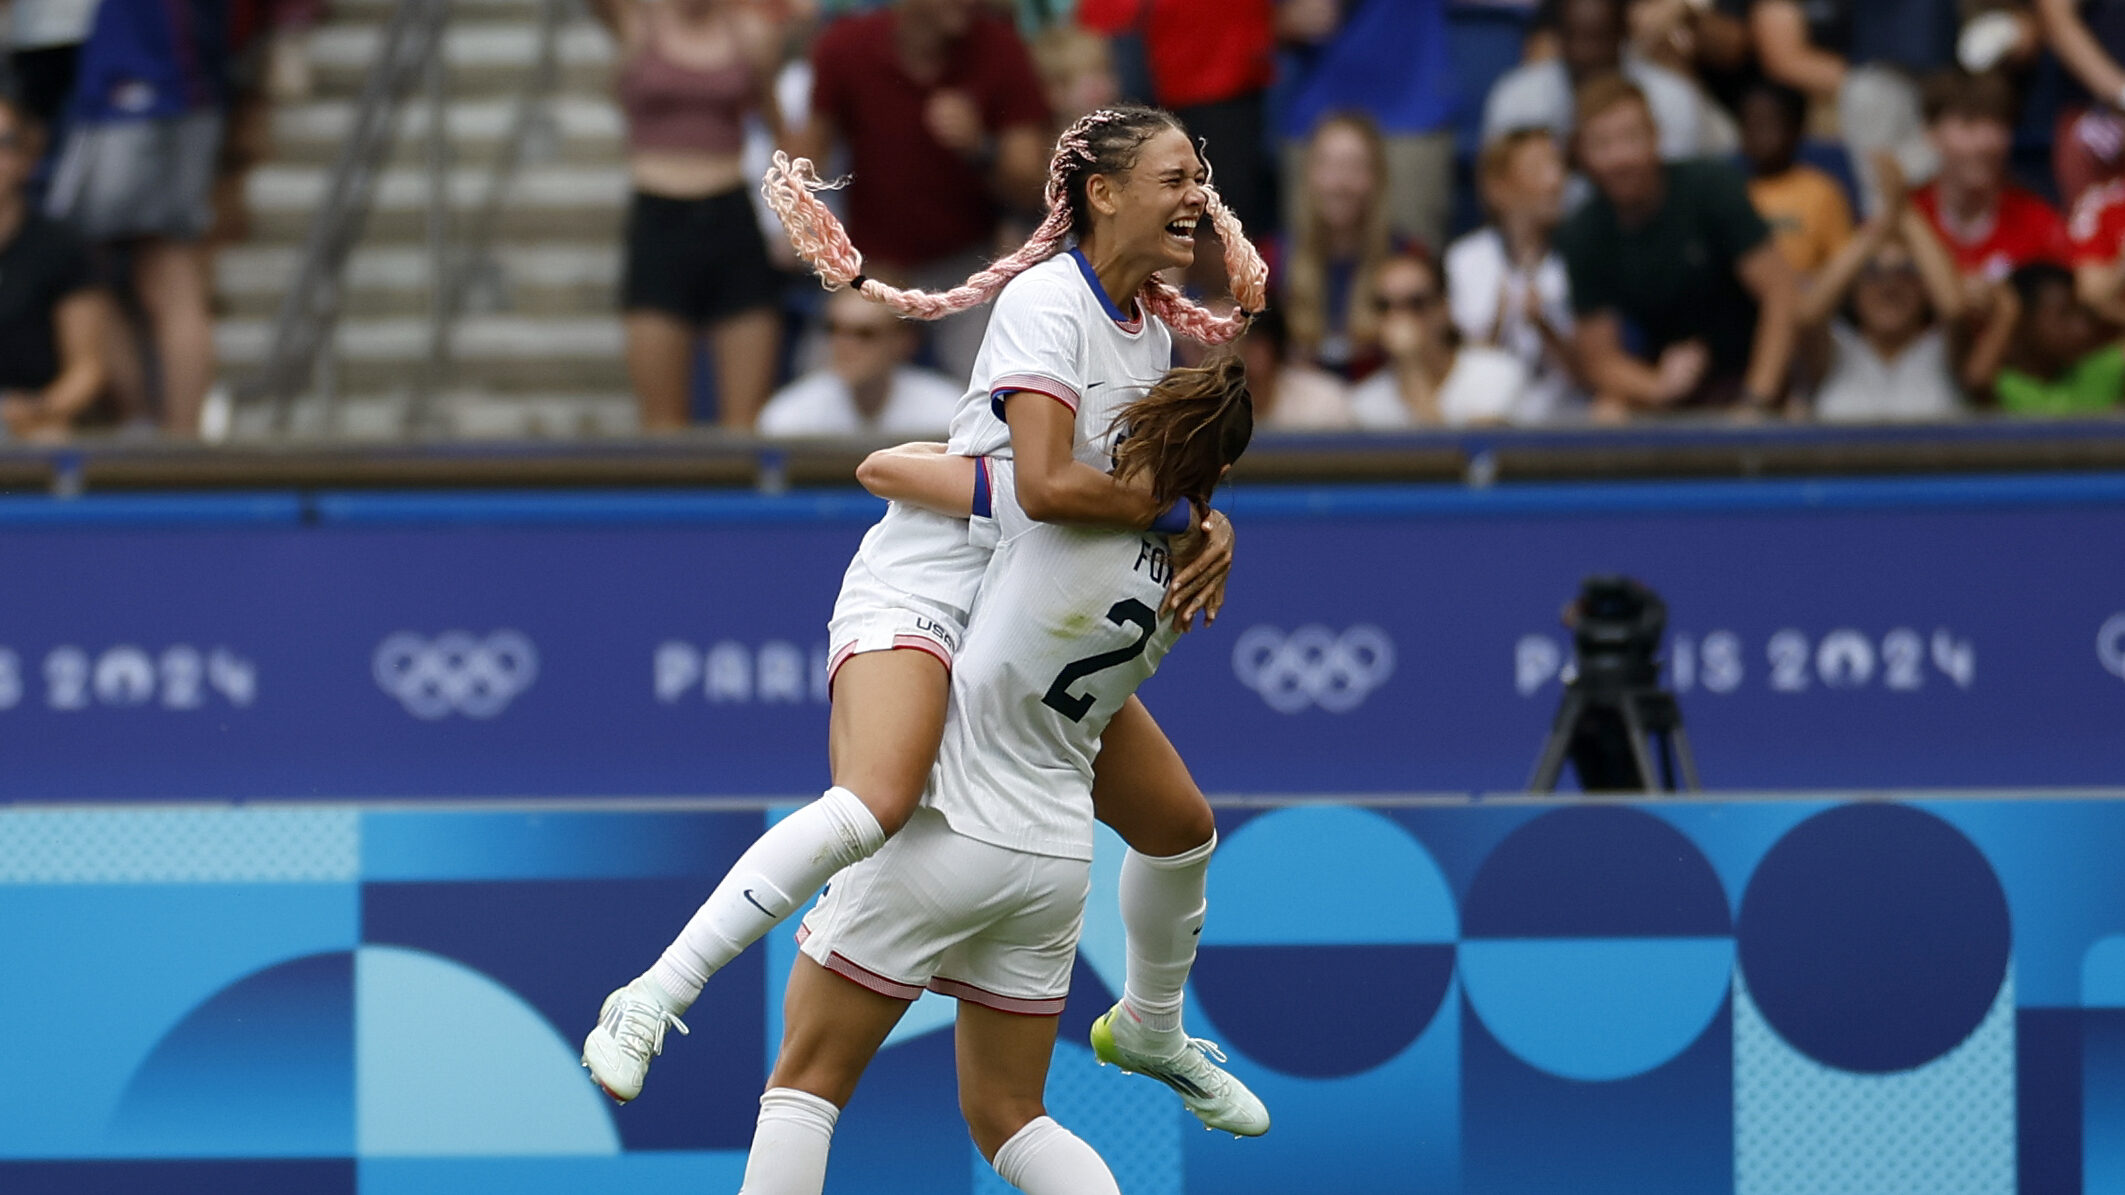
(791, 189)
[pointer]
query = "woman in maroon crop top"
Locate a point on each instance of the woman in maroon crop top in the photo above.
(691, 71)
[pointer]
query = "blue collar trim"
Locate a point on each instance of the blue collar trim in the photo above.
(1092, 280)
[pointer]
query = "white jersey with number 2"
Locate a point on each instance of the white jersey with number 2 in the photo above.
(1065, 628)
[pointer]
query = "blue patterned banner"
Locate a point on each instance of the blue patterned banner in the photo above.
(1770, 997)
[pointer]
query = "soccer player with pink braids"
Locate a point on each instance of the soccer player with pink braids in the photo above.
(1078, 331)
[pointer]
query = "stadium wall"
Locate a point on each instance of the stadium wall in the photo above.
(1763, 995)
(1831, 633)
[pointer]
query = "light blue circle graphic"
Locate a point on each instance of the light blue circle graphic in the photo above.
(1596, 1009)
(1328, 876)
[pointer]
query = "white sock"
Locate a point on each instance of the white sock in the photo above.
(786, 865)
(790, 1144)
(1162, 910)
(1045, 1158)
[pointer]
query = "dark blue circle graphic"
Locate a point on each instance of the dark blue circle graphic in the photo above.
(1874, 937)
(1596, 871)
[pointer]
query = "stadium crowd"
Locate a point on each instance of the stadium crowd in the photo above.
(1569, 211)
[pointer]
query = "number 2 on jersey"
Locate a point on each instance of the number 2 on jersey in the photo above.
(1074, 706)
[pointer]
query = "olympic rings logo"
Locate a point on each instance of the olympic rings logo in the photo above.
(1314, 666)
(455, 673)
(2110, 645)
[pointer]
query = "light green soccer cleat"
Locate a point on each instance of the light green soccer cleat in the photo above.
(630, 1032)
(1217, 1099)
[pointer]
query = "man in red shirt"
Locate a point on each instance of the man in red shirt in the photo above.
(945, 125)
(1989, 225)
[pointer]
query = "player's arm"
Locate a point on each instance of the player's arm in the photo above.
(1053, 486)
(923, 475)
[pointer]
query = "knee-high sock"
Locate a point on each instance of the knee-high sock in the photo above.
(1045, 1158)
(790, 1144)
(786, 865)
(1162, 910)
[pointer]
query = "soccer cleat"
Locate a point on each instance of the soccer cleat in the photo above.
(1217, 1099)
(630, 1032)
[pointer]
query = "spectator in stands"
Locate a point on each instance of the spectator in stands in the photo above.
(1506, 279)
(2063, 361)
(1806, 209)
(867, 387)
(1697, 41)
(1881, 319)
(2088, 145)
(1431, 379)
(1988, 223)
(136, 177)
(1289, 395)
(51, 316)
(1211, 62)
(1076, 72)
(691, 73)
(1590, 40)
(1339, 235)
(940, 109)
(1864, 57)
(2097, 231)
(1681, 297)
(1389, 60)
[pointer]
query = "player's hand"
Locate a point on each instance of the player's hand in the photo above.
(1204, 560)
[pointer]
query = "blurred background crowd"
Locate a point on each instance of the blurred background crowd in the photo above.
(1571, 212)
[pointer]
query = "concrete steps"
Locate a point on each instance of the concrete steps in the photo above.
(499, 353)
(578, 131)
(539, 351)
(534, 278)
(484, 59)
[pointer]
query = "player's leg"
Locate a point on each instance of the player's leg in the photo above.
(887, 720)
(1003, 1068)
(1143, 790)
(831, 1029)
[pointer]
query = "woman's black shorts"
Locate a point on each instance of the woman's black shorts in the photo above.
(698, 259)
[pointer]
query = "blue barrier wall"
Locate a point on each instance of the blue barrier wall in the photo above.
(1964, 632)
(1760, 996)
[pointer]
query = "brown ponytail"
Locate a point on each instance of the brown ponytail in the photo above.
(1183, 433)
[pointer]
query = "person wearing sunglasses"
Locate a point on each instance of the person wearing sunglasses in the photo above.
(867, 386)
(1431, 378)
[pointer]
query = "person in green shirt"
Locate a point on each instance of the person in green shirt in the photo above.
(1673, 256)
(2061, 360)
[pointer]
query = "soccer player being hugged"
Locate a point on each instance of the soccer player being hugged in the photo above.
(1082, 325)
(981, 895)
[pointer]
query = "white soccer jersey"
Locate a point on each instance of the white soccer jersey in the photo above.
(1053, 331)
(1065, 629)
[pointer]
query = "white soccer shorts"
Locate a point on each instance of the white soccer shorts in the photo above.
(938, 910)
(870, 615)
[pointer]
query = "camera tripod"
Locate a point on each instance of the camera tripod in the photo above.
(1610, 731)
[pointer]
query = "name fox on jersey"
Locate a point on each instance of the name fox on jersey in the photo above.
(1154, 560)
